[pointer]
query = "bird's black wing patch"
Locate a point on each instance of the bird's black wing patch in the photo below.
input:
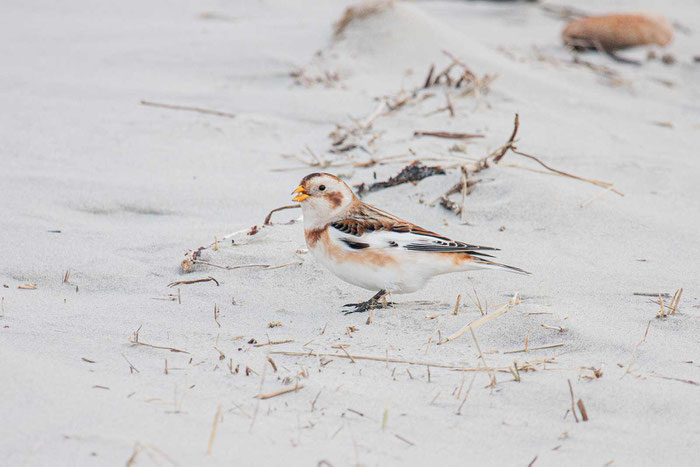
(355, 245)
(470, 249)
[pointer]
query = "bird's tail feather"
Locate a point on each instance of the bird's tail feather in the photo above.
(485, 263)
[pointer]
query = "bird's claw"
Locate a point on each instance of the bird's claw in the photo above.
(371, 304)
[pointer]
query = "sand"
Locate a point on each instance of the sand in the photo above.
(132, 188)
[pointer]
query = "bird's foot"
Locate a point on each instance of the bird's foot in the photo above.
(371, 304)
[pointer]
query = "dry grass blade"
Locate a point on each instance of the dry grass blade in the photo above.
(404, 440)
(573, 405)
(282, 208)
(634, 351)
(582, 409)
(279, 392)
(360, 11)
(528, 349)
(672, 306)
(483, 320)
(500, 152)
(565, 174)
(481, 355)
(213, 429)
(447, 134)
(285, 341)
(186, 107)
(671, 378)
(384, 360)
(194, 281)
(134, 341)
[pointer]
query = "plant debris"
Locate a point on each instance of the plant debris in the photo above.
(413, 172)
(447, 134)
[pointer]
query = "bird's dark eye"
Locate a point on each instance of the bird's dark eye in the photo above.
(321, 187)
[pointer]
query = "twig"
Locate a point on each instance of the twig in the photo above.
(481, 355)
(670, 378)
(185, 107)
(404, 440)
(634, 351)
(582, 409)
(550, 346)
(286, 341)
(195, 281)
(229, 268)
(573, 405)
(429, 79)
(483, 320)
(598, 195)
(213, 429)
(282, 208)
(499, 153)
(135, 341)
(447, 134)
(281, 391)
(383, 360)
(132, 368)
(565, 174)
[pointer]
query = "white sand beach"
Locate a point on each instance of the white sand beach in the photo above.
(101, 197)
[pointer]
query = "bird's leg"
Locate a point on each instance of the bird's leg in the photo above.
(370, 304)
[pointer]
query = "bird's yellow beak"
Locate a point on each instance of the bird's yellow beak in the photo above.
(301, 194)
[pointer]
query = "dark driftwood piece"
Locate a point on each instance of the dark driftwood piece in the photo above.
(413, 172)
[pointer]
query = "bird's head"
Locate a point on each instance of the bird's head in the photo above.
(323, 197)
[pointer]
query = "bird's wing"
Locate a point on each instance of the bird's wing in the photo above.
(368, 227)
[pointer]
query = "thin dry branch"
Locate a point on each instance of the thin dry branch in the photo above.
(172, 349)
(385, 360)
(279, 392)
(213, 429)
(282, 208)
(484, 319)
(573, 405)
(189, 108)
(528, 349)
(285, 341)
(195, 281)
(500, 152)
(565, 174)
(447, 134)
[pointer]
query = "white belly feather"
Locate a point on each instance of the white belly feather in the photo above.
(403, 272)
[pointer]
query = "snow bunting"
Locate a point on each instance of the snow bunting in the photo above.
(373, 249)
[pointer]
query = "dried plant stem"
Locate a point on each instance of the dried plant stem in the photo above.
(500, 152)
(213, 429)
(172, 349)
(195, 281)
(582, 409)
(282, 208)
(550, 346)
(384, 360)
(483, 320)
(481, 355)
(279, 392)
(186, 107)
(634, 351)
(285, 341)
(447, 134)
(573, 405)
(565, 174)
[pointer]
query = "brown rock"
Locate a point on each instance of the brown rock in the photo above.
(620, 31)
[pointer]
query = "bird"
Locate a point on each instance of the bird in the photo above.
(375, 250)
